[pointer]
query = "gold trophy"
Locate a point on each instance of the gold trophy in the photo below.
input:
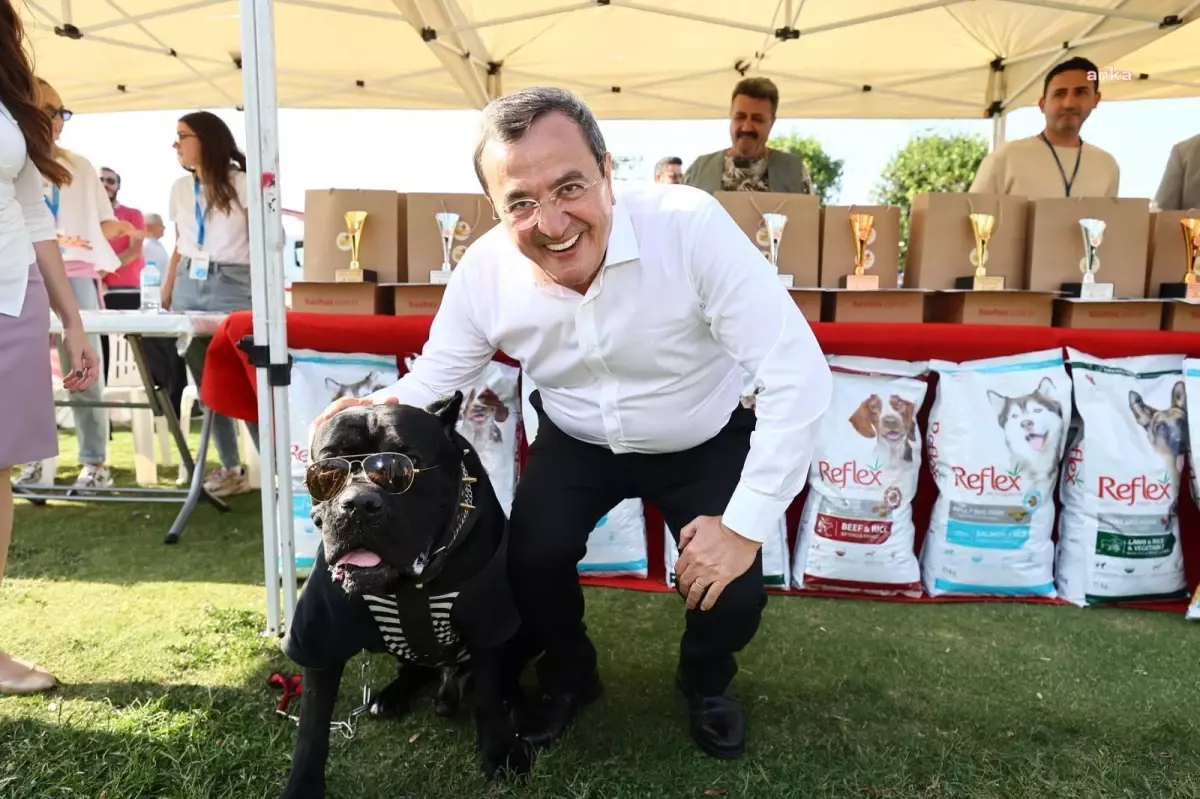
(1191, 250)
(982, 226)
(775, 224)
(861, 225)
(447, 222)
(355, 274)
(1093, 235)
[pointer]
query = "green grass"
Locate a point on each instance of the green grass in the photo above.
(164, 668)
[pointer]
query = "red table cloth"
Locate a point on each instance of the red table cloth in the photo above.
(230, 384)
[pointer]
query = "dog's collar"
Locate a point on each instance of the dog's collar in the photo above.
(457, 530)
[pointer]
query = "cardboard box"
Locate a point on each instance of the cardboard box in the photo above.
(991, 308)
(1166, 255)
(941, 240)
(325, 233)
(799, 254)
(356, 299)
(416, 299)
(1181, 316)
(884, 305)
(837, 244)
(809, 302)
(1114, 315)
(1056, 243)
(424, 251)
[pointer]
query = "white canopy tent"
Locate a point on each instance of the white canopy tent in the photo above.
(629, 59)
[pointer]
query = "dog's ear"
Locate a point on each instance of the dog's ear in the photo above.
(1141, 414)
(998, 402)
(446, 409)
(1179, 396)
(332, 384)
(1046, 387)
(862, 421)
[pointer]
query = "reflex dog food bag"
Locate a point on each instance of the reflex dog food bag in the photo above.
(774, 556)
(617, 544)
(856, 531)
(1118, 534)
(997, 432)
(1191, 381)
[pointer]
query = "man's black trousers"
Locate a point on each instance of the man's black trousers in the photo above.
(566, 486)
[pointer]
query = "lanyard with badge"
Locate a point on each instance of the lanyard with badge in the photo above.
(198, 263)
(1067, 184)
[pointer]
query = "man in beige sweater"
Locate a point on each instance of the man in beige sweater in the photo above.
(1056, 162)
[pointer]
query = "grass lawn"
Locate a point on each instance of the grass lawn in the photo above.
(164, 688)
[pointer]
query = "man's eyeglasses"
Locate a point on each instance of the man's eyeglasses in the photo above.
(58, 112)
(524, 214)
(394, 472)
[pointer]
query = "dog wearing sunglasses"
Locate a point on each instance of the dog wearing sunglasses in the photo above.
(412, 562)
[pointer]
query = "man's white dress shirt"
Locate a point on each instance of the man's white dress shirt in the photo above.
(651, 358)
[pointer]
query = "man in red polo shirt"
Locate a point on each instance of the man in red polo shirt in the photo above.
(123, 287)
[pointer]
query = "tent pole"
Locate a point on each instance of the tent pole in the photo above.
(269, 351)
(998, 124)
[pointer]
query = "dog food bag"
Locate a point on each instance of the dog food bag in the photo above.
(1191, 381)
(617, 544)
(774, 556)
(318, 378)
(1118, 533)
(488, 420)
(997, 431)
(856, 530)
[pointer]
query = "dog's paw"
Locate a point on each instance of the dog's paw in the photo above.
(393, 701)
(506, 757)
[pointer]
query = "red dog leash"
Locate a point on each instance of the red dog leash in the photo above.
(292, 687)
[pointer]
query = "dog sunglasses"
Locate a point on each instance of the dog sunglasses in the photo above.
(394, 472)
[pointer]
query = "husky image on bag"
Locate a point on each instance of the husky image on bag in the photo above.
(1166, 429)
(1033, 430)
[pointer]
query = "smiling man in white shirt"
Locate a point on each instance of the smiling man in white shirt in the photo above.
(636, 312)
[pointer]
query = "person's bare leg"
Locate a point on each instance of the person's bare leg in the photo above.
(16, 676)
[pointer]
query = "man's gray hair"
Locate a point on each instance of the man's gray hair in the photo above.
(152, 218)
(507, 119)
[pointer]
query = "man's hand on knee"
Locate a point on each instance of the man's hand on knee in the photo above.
(712, 556)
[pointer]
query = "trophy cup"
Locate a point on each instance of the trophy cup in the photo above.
(982, 226)
(355, 274)
(1189, 288)
(775, 224)
(864, 259)
(447, 226)
(1093, 234)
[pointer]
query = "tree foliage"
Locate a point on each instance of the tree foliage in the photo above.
(825, 170)
(929, 163)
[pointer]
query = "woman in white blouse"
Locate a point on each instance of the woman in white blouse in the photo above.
(210, 268)
(32, 281)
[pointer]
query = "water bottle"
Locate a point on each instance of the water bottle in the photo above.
(151, 282)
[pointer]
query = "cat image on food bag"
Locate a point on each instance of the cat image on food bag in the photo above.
(1191, 383)
(1118, 535)
(997, 432)
(856, 530)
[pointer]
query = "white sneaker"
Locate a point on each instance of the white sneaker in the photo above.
(227, 482)
(31, 474)
(94, 476)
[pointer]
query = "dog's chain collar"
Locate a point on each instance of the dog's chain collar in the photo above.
(466, 505)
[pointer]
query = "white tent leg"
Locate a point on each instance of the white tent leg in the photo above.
(998, 124)
(270, 329)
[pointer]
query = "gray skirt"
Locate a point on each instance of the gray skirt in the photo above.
(227, 288)
(27, 431)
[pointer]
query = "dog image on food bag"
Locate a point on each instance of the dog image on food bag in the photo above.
(1191, 386)
(995, 442)
(1119, 526)
(856, 529)
(412, 562)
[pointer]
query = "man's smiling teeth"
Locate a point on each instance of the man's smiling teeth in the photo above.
(566, 245)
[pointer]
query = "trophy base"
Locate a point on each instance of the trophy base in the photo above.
(1089, 291)
(1179, 291)
(355, 276)
(860, 282)
(977, 283)
(440, 277)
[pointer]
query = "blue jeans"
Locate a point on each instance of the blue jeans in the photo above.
(91, 424)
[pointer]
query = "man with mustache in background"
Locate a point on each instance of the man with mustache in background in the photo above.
(1056, 162)
(749, 165)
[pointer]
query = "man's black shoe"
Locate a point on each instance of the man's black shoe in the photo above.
(718, 723)
(552, 714)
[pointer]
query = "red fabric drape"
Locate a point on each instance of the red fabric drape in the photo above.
(229, 384)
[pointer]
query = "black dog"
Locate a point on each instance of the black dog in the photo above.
(412, 561)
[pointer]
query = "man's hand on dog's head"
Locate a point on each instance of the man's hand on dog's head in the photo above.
(339, 405)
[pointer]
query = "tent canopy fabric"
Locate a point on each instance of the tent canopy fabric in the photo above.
(629, 59)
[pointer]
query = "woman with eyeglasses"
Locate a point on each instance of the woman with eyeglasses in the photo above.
(84, 219)
(33, 280)
(210, 268)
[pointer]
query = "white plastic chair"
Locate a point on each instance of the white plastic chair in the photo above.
(191, 396)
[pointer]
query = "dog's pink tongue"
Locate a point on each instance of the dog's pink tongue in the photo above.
(363, 558)
(1036, 442)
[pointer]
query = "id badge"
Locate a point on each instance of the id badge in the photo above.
(198, 267)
